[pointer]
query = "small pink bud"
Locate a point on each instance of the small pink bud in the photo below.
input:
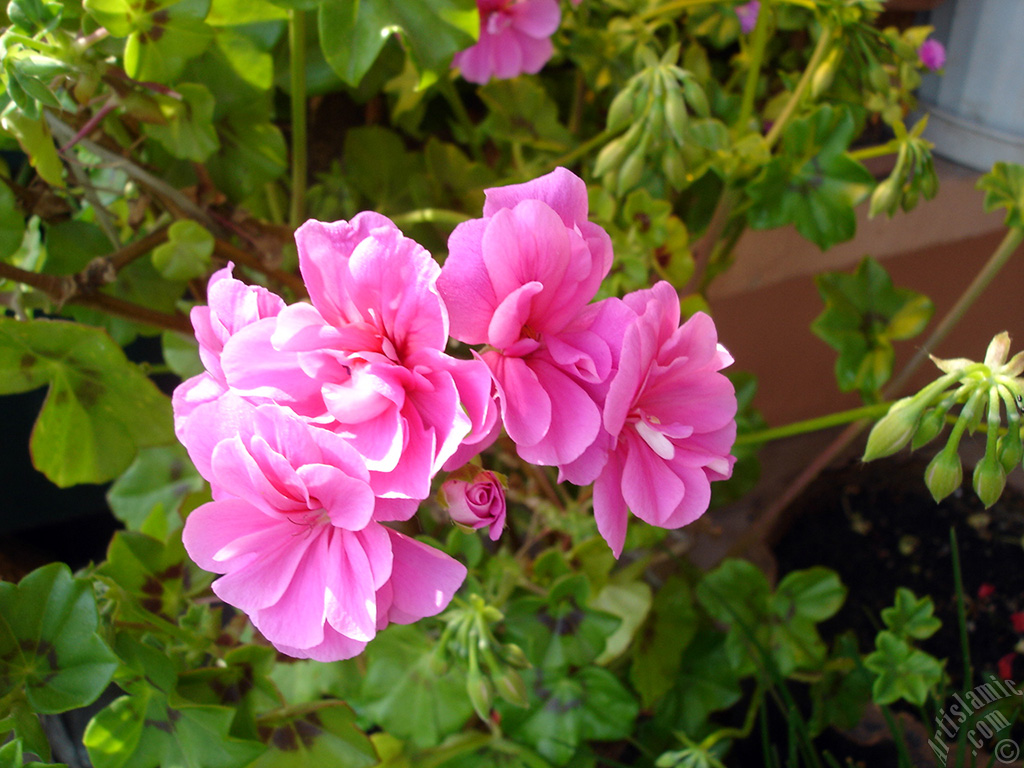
(477, 502)
(748, 15)
(932, 54)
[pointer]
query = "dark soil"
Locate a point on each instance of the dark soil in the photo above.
(879, 528)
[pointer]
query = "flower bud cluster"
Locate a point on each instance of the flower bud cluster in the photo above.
(985, 391)
(654, 104)
(493, 667)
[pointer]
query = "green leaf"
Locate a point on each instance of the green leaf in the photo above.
(630, 603)
(251, 155)
(189, 133)
(590, 704)
(1004, 188)
(707, 682)
(161, 476)
(186, 254)
(840, 695)
(237, 12)
(910, 617)
(736, 592)
(181, 353)
(661, 642)
(522, 111)
(12, 223)
(11, 757)
(561, 630)
(380, 169)
(165, 35)
(813, 184)
(100, 408)
(352, 33)
(316, 735)
(143, 731)
(152, 571)
(903, 672)
(71, 245)
(48, 642)
(34, 137)
(404, 694)
(863, 315)
(815, 593)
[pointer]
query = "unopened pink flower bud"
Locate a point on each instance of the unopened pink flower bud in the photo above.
(477, 502)
(748, 15)
(932, 54)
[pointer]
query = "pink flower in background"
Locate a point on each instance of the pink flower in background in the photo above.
(671, 415)
(515, 37)
(748, 15)
(291, 529)
(932, 54)
(519, 280)
(366, 359)
(477, 501)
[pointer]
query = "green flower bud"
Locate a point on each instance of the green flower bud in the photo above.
(674, 168)
(884, 199)
(944, 474)
(930, 427)
(823, 76)
(480, 693)
(675, 114)
(895, 429)
(510, 686)
(696, 97)
(1009, 449)
(514, 655)
(620, 113)
(611, 156)
(632, 170)
(989, 480)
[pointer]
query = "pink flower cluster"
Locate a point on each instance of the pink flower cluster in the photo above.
(317, 423)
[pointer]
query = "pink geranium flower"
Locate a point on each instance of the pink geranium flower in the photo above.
(519, 280)
(515, 37)
(231, 306)
(366, 359)
(671, 415)
(291, 529)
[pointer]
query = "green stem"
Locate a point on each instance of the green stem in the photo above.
(815, 424)
(444, 84)
(818, 54)
(300, 158)
(995, 263)
(430, 216)
(757, 49)
(897, 736)
(585, 148)
(961, 612)
(879, 150)
(671, 6)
